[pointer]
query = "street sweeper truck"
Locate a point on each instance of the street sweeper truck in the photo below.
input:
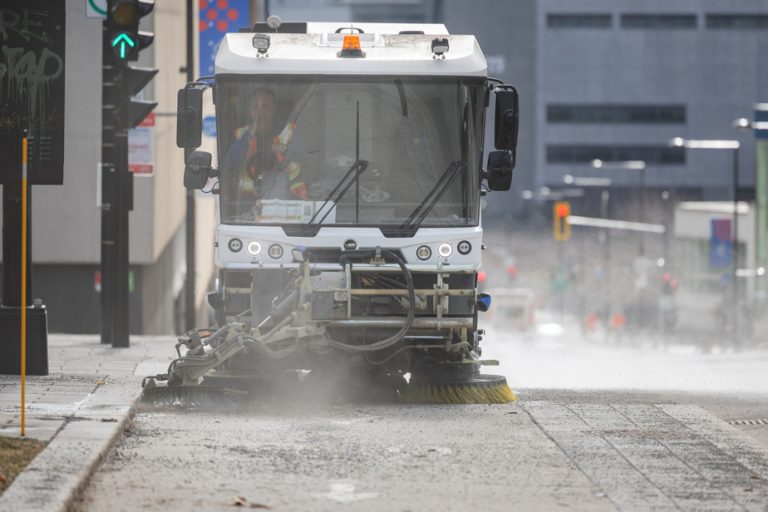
(349, 177)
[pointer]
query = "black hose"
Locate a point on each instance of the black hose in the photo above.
(345, 259)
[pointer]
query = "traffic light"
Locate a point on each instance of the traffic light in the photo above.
(123, 41)
(560, 226)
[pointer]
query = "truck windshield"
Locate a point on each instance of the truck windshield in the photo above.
(349, 151)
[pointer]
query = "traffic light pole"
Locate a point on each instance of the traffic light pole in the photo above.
(122, 42)
(108, 189)
(116, 203)
(120, 330)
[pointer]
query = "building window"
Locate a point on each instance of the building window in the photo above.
(737, 21)
(561, 113)
(579, 20)
(585, 153)
(658, 21)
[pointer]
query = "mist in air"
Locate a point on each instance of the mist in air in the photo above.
(616, 309)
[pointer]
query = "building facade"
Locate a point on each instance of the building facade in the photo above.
(617, 80)
(66, 235)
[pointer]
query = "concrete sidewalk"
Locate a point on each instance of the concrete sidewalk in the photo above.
(80, 409)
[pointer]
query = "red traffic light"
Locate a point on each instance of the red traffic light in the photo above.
(562, 209)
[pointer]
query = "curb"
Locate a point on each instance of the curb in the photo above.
(54, 479)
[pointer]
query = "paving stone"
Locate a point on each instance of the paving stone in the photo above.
(650, 457)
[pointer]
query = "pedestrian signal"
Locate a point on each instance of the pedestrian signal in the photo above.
(561, 229)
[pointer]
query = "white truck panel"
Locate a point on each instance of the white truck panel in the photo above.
(335, 237)
(316, 54)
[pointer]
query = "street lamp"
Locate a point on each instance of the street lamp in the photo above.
(586, 181)
(759, 129)
(605, 184)
(743, 123)
(628, 165)
(734, 146)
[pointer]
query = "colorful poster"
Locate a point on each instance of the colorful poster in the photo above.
(217, 17)
(141, 147)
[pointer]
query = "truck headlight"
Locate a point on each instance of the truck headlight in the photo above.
(235, 244)
(254, 248)
(464, 247)
(423, 253)
(445, 250)
(275, 251)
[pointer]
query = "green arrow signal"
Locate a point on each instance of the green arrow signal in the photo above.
(124, 41)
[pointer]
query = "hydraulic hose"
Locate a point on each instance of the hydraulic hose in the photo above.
(391, 340)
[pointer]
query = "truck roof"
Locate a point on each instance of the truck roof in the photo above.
(328, 27)
(387, 52)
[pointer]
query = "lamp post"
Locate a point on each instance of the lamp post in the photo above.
(732, 145)
(628, 165)
(605, 184)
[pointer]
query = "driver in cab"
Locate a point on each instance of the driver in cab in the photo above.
(257, 157)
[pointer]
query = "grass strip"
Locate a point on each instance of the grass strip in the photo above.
(15, 454)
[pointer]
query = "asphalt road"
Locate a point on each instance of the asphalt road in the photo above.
(547, 452)
(341, 458)
(635, 426)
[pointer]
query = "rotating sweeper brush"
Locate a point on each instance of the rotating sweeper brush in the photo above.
(482, 389)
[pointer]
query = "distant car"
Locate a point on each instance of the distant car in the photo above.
(513, 307)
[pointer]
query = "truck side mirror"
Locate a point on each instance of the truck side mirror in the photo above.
(507, 118)
(499, 173)
(197, 169)
(189, 118)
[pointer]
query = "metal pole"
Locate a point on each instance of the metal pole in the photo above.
(108, 184)
(735, 244)
(121, 313)
(666, 197)
(604, 198)
(642, 209)
(23, 286)
(190, 281)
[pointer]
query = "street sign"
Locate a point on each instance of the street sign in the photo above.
(209, 126)
(141, 147)
(32, 35)
(761, 116)
(95, 8)
(720, 244)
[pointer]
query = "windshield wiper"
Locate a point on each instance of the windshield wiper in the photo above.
(358, 168)
(420, 213)
(341, 188)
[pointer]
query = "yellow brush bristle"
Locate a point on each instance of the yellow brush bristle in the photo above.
(458, 394)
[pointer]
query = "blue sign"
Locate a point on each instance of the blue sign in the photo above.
(217, 17)
(720, 244)
(209, 126)
(761, 116)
